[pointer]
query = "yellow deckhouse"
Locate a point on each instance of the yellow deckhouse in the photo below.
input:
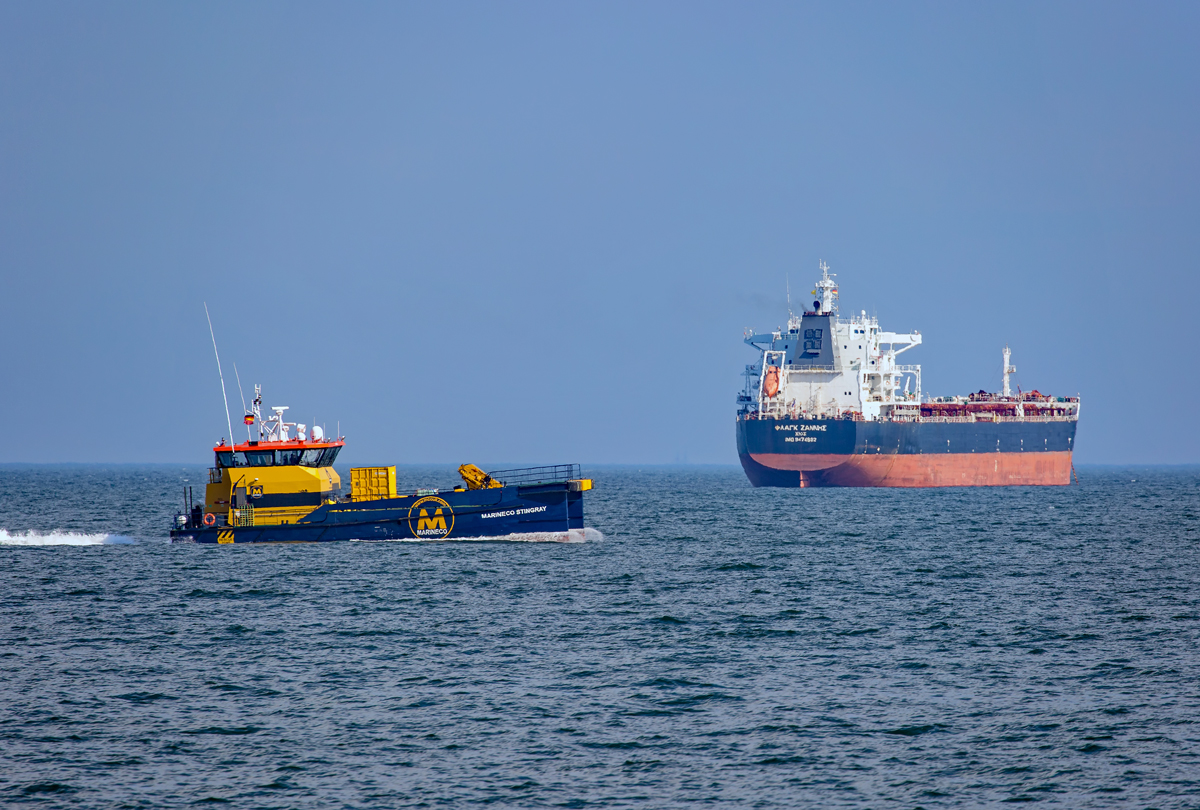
(276, 480)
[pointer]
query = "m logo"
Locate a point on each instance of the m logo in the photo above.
(431, 518)
(432, 524)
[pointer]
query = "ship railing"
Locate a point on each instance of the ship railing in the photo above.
(807, 369)
(785, 413)
(811, 369)
(986, 418)
(1038, 418)
(529, 476)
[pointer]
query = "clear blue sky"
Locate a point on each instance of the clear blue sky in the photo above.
(534, 232)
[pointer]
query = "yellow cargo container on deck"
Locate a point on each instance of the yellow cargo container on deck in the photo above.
(372, 483)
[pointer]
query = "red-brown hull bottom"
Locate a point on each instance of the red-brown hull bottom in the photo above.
(924, 470)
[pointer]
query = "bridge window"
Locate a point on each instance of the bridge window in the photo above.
(228, 458)
(261, 458)
(313, 457)
(288, 458)
(319, 457)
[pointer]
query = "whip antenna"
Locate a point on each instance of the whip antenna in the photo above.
(228, 421)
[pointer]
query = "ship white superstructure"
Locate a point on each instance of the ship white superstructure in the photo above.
(827, 366)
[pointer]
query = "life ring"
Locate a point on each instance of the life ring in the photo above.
(210, 519)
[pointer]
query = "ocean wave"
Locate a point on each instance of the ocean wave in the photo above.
(32, 538)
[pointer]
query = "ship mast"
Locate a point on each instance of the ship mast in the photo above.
(828, 289)
(256, 410)
(1008, 369)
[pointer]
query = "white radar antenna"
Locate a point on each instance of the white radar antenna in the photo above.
(275, 428)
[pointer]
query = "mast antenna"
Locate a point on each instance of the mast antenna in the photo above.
(793, 321)
(243, 396)
(228, 421)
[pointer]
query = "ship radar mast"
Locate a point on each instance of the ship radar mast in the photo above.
(827, 289)
(254, 416)
(1008, 369)
(276, 428)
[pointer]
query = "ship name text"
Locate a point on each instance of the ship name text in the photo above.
(511, 512)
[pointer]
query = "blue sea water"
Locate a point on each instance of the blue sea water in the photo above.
(717, 646)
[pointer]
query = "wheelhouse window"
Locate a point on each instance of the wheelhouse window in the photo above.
(312, 457)
(261, 458)
(287, 458)
(228, 458)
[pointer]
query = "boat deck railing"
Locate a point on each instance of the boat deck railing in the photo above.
(798, 369)
(527, 476)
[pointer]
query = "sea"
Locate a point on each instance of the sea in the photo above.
(708, 644)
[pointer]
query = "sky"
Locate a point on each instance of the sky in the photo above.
(508, 233)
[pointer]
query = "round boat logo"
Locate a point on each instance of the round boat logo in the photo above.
(431, 518)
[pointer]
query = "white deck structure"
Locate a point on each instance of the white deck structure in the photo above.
(829, 366)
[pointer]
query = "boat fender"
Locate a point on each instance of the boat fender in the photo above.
(210, 519)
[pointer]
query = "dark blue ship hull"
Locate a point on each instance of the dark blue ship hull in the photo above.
(483, 513)
(849, 453)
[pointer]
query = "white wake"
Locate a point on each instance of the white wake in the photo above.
(32, 538)
(585, 535)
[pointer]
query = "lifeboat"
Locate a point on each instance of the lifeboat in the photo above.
(771, 382)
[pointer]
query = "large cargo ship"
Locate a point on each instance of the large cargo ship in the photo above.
(282, 487)
(828, 405)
